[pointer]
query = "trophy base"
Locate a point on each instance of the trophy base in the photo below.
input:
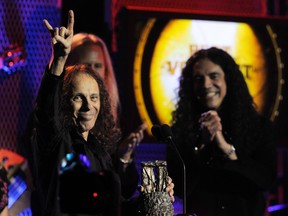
(156, 204)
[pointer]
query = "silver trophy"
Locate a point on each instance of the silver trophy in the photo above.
(155, 201)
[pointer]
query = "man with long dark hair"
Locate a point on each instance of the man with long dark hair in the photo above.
(227, 146)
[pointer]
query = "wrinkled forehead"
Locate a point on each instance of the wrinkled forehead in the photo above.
(81, 76)
(83, 80)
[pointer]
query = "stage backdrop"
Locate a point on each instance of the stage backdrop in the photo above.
(25, 50)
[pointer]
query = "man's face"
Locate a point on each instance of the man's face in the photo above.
(209, 84)
(85, 101)
(93, 56)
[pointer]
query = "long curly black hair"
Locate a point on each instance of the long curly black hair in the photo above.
(105, 129)
(237, 110)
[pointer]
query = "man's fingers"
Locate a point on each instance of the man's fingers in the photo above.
(140, 188)
(170, 188)
(70, 25)
(51, 30)
(48, 26)
(169, 180)
(62, 31)
(142, 127)
(61, 40)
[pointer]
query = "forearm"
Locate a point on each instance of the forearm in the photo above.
(226, 147)
(49, 94)
(48, 110)
(57, 65)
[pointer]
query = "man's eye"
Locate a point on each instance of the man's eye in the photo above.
(77, 98)
(94, 98)
(197, 78)
(214, 76)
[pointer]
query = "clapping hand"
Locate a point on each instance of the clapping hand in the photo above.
(128, 145)
(210, 124)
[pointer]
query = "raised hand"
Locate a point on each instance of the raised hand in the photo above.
(61, 40)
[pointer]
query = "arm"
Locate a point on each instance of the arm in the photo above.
(47, 137)
(124, 163)
(48, 114)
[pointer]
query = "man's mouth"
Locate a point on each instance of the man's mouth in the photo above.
(85, 117)
(209, 95)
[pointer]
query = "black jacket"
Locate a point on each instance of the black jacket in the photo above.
(217, 186)
(51, 141)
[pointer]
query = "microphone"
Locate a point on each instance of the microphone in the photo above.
(164, 133)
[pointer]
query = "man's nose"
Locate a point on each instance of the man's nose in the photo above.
(85, 106)
(207, 82)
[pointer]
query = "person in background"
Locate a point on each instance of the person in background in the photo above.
(227, 146)
(72, 114)
(91, 50)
